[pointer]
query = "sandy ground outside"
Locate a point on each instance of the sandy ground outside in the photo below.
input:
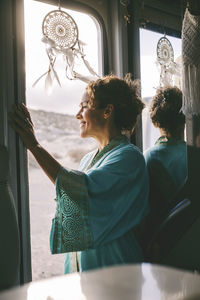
(42, 209)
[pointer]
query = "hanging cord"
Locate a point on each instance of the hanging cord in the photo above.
(184, 4)
(163, 29)
(142, 18)
(59, 7)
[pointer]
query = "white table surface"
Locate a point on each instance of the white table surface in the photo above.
(141, 281)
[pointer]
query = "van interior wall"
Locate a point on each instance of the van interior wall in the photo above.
(12, 92)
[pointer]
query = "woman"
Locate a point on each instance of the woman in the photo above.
(167, 160)
(97, 206)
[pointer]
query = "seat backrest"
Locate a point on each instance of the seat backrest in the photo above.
(174, 240)
(186, 252)
(168, 231)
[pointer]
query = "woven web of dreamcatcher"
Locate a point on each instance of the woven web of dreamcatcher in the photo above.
(165, 61)
(61, 28)
(60, 34)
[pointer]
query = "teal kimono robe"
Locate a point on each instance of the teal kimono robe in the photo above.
(98, 206)
(167, 167)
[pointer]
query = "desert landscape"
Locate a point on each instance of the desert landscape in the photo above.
(59, 134)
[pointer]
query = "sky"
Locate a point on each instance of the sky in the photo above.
(66, 99)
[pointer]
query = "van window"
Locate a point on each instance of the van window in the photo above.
(55, 125)
(150, 77)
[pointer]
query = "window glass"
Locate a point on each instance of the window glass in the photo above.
(55, 125)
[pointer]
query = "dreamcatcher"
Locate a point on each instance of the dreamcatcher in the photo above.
(165, 61)
(60, 35)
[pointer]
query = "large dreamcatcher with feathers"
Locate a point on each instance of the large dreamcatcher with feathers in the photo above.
(61, 37)
(165, 61)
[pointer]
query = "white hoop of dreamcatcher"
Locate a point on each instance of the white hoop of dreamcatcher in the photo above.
(165, 61)
(60, 34)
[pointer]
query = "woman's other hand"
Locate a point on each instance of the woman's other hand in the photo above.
(20, 121)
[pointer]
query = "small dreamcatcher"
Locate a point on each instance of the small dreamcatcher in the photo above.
(165, 60)
(60, 34)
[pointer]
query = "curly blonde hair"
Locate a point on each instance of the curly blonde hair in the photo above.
(122, 93)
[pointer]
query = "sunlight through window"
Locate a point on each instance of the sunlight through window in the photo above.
(55, 125)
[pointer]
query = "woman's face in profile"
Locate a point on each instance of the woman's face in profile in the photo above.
(91, 118)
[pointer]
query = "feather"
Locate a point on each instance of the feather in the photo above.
(86, 79)
(55, 51)
(79, 52)
(55, 75)
(48, 83)
(81, 43)
(50, 52)
(89, 67)
(34, 84)
(71, 75)
(48, 41)
(69, 56)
